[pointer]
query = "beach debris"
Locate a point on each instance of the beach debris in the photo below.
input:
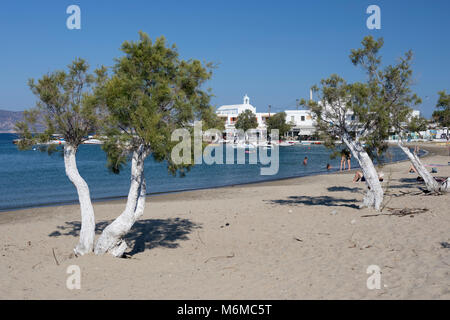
(334, 212)
(220, 257)
(400, 212)
(300, 240)
(352, 241)
(353, 221)
(445, 245)
(54, 256)
(198, 234)
(290, 210)
(407, 211)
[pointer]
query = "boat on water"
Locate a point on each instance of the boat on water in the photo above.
(56, 141)
(241, 145)
(309, 142)
(61, 141)
(93, 141)
(266, 145)
(288, 143)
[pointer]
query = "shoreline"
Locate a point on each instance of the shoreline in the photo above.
(17, 214)
(155, 194)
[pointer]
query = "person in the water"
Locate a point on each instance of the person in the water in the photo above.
(305, 161)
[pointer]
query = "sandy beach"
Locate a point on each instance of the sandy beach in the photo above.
(302, 238)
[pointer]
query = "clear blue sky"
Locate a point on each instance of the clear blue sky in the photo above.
(271, 50)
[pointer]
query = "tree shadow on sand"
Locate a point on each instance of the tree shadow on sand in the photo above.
(316, 201)
(145, 234)
(345, 189)
(407, 183)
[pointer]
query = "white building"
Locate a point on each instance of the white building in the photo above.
(302, 122)
(230, 113)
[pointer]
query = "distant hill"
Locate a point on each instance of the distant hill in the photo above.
(8, 119)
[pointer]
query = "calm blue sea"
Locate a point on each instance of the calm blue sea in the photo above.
(32, 178)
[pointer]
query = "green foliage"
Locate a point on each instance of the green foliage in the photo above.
(150, 94)
(278, 121)
(416, 124)
(246, 120)
(442, 115)
(377, 106)
(64, 106)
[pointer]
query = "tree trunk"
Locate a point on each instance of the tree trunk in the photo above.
(374, 195)
(431, 184)
(87, 232)
(111, 238)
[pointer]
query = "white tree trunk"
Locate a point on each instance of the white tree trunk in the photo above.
(431, 184)
(374, 195)
(111, 238)
(87, 232)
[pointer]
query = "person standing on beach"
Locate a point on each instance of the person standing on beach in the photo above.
(344, 158)
(349, 158)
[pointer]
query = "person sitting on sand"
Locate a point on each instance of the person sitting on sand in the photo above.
(412, 169)
(438, 179)
(359, 176)
(305, 161)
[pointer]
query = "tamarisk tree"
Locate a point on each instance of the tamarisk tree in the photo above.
(442, 114)
(390, 88)
(278, 121)
(151, 93)
(365, 113)
(402, 128)
(66, 106)
(246, 121)
(358, 114)
(343, 113)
